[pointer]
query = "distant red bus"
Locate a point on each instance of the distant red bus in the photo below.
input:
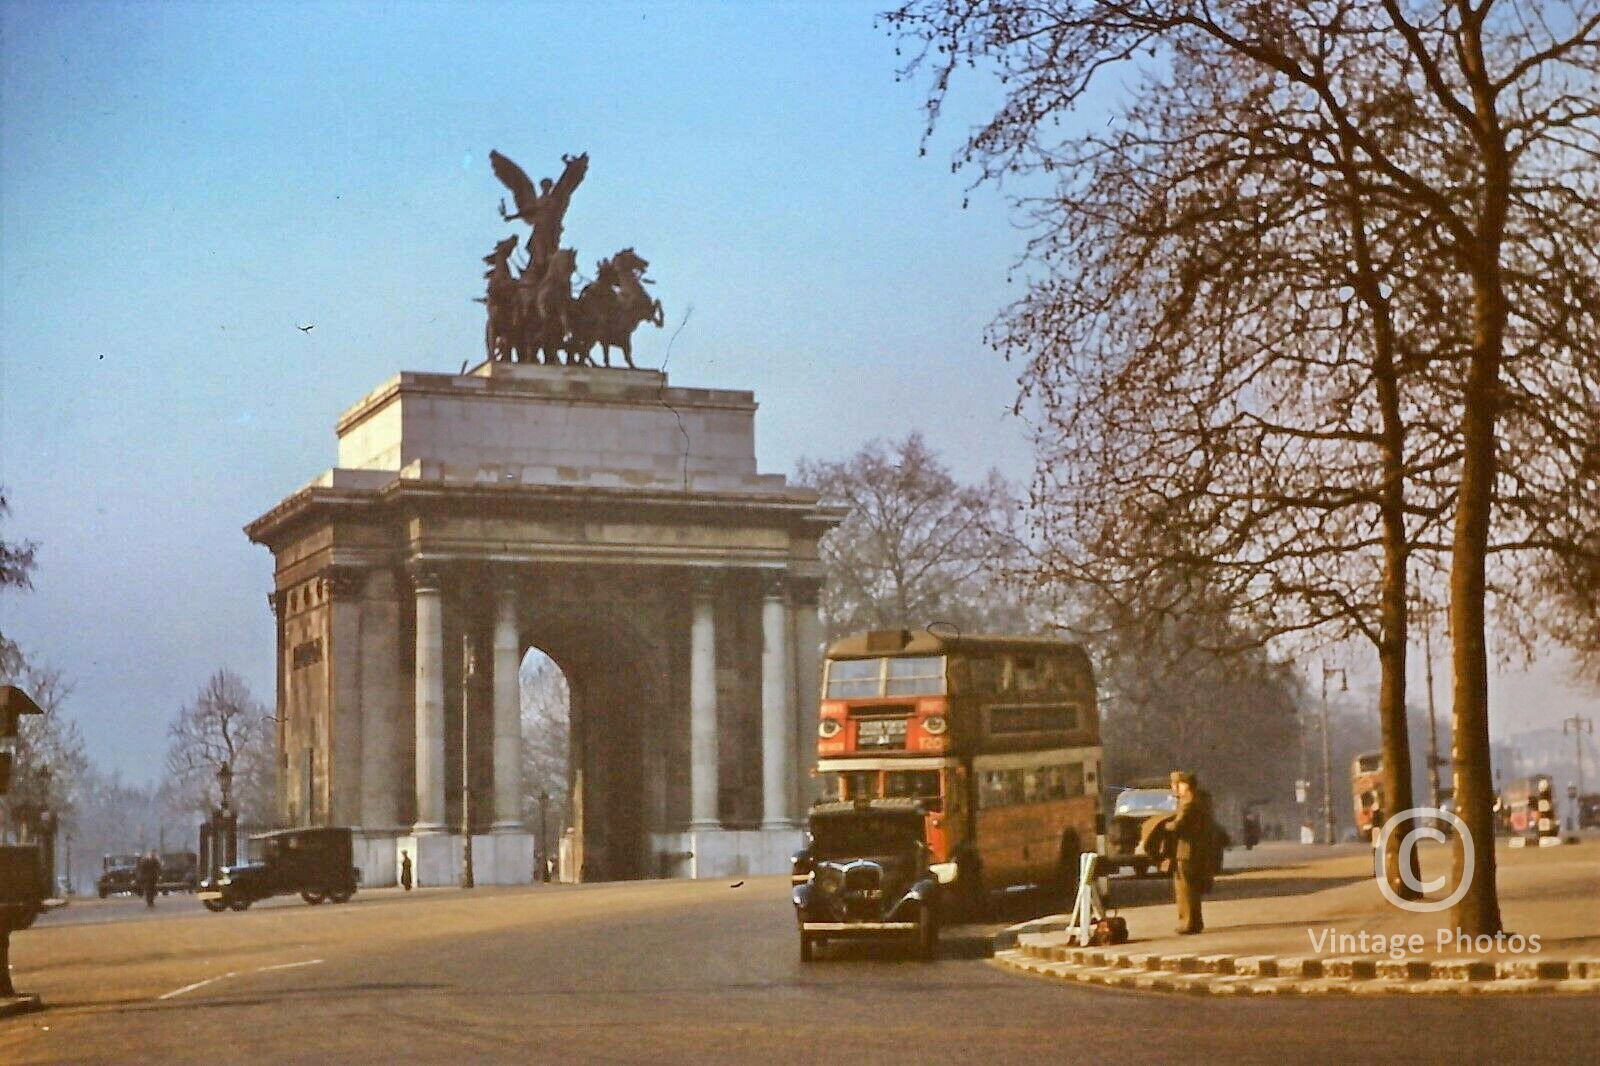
(1527, 807)
(1366, 788)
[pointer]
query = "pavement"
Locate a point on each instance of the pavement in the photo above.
(1309, 921)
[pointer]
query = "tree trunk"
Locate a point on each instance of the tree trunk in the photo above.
(1478, 912)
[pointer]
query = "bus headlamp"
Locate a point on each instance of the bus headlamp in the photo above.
(828, 727)
(935, 725)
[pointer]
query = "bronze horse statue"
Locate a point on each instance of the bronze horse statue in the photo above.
(611, 307)
(499, 335)
(554, 306)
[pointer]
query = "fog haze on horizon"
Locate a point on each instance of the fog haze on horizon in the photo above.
(182, 186)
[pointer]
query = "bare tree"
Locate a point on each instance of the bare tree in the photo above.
(917, 547)
(1448, 148)
(546, 742)
(224, 724)
(16, 572)
(50, 761)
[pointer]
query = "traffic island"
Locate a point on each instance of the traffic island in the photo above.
(1300, 924)
(1045, 955)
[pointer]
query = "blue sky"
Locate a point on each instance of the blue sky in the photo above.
(181, 185)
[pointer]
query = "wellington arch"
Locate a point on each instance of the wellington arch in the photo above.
(615, 522)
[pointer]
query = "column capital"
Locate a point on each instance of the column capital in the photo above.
(806, 591)
(343, 581)
(276, 601)
(774, 584)
(703, 584)
(425, 575)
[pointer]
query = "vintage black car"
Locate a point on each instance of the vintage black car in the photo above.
(117, 874)
(315, 862)
(180, 872)
(864, 873)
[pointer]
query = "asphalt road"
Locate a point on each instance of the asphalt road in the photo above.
(658, 972)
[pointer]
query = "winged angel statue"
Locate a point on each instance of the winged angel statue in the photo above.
(533, 316)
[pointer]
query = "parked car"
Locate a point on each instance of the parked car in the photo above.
(117, 873)
(1131, 809)
(180, 872)
(865, 873)
(315, 862)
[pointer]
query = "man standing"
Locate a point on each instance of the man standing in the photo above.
(147, 875)
(1192, 860)
(405, 871)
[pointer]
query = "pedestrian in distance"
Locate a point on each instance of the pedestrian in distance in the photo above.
(1196, 850)
(147, 875)
(405, 871)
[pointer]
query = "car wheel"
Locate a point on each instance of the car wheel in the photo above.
(927, 934)
(215, 906)
(808, 949)
(341, 896)
(239, 904)
(312, 896)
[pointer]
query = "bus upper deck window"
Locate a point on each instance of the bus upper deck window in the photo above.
(854, 678)
(916, 675)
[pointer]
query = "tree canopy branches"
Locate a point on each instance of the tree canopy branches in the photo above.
(1318, 301)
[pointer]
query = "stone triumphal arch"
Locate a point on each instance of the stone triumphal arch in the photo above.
(615, 522)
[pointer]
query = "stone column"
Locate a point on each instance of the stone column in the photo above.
(507, 712)
(430, 702)
(703, 771)
(381, 707)
(346, 739)
(777, 707)
(807, 630)
(278, 601)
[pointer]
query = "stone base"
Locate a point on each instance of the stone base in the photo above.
(437, 858)
(725, 852)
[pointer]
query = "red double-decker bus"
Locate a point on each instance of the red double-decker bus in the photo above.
(1366, 788)
(998, 736)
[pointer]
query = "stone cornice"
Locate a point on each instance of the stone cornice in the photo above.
(586, 387)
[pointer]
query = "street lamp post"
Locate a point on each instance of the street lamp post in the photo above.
(544, 836)
(1327, 755)
(469, 671)
(1578, 726)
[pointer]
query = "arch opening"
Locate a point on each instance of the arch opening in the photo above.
(545, 700)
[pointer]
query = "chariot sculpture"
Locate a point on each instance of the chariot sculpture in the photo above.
(533, 314)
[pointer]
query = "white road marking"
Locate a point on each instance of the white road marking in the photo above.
(197, 984)
(289, 965)
(235, 973)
